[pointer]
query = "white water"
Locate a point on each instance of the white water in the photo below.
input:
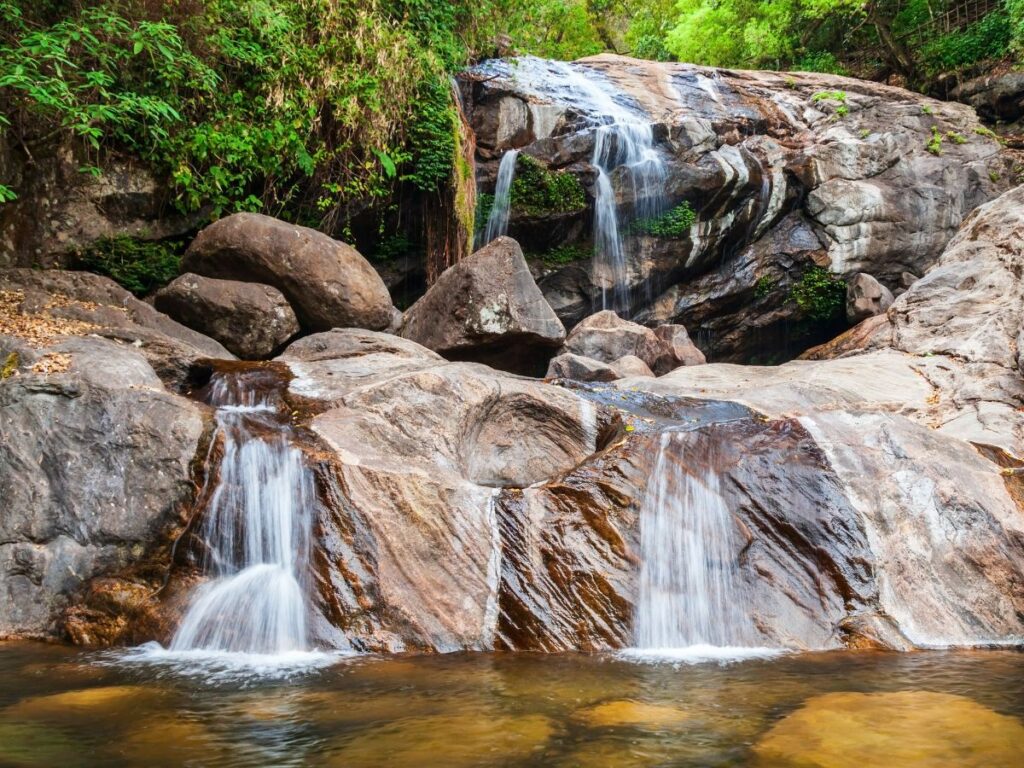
(691, 605)
(624, 154)
(257, 531)
(497, 221)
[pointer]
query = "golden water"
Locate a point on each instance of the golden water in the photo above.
(63, 707)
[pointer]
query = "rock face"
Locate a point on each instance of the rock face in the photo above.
(785, 172)
(866, 297)
(606, 337)
(249, 319)
(94, 465)
(995, 97)
(326, 281)
(487, 308)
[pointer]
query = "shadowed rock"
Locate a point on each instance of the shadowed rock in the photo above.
(250, 319)
(866, 297)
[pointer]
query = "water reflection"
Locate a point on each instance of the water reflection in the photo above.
(59, 707)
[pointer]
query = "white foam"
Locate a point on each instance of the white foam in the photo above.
(223, 666)
(699, 654)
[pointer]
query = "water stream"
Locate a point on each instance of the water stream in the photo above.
(691, 603)
(497, 221)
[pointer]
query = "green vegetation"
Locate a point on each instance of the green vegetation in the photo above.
(764, 286)
(674, 223)
(839, 96)
(956, 138)
(820, 296)
(934, 144)
(561, 255)
(537, 191)
(137, 265)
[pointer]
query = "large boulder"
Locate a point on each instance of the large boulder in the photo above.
(327, 282)
(580, 368)
(95, 466)
(487, 308)
(997, 98)
(249, 319)
(682, 350)
(43, 305)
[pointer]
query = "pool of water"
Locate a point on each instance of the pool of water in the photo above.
(63, 707)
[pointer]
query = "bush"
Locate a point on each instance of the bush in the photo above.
(820, 296)
(674, 223)
(989, 38)
(565, 254)
(538, 191)
(137, 265)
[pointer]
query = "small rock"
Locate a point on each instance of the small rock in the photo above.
(487, 308)
(684, 351)
(631, 365)
(328, 283)
(607, 337)
(579, 368)
(632, 714)
(866, 297)
(907, 279)
(250, 319)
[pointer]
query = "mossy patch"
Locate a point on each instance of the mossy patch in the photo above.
(139, 266)
(673, 224)
(539, 191)
(820, 296)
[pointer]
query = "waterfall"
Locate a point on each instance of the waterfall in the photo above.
(257, 531)
(497, 221)
(691, 603)
(630, 145)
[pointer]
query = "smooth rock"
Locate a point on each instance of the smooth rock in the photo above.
(866, 297)
(630, 365)
(849, 730)
(487, 308)
(633, 714)
(249, 319)
(327, 283)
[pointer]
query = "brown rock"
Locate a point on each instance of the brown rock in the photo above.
(684, 351)
(327, 282)
(631, 365)
(250, 319)
(866, 297)
(487, 308)
(579, 368)
(607, 337)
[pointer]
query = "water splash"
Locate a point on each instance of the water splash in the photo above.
(257, 531)
(497, 221)
(691, 605)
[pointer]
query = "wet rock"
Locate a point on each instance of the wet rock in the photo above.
(607, 337)
(579, 368)
(108, 702)
(417, 741)
(866, 297)
(487, 308)
(94, 466)
(52, 304)
(327, 282)
(249, 319)
(905, 727)
(632, 714)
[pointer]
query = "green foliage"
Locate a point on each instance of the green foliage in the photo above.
(988, 133)
(839, 96)
(927, 110)
(820, 296)
(7, 194)
(139, 266)
(565, 254)
(989, 38)
(537, 191)
(956, 138)
(674, 223)
(1015, 17)
(820, 61)
(934, 144)
(764, 286)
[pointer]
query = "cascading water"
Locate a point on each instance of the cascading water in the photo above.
(624, 154)
(257, 532)
(497, 221)
(691, 604)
